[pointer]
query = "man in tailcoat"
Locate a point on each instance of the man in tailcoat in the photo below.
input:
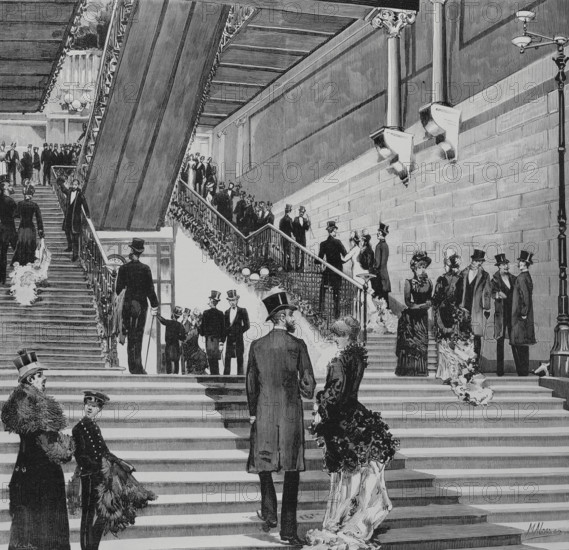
(502, 287)
(13, 162)
(249, 217)
(237, 324)
(300, 225)
(279, 372)
(27, 164)
(523, 329)
(223, 202)
(476, 296)
(332, 251)
(213, 329)
(285, 225)
(8, 235)
(46, 161)
(72, 220)
(381, 284)
(239, 211)
(136, 278)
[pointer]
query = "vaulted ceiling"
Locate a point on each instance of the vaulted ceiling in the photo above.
(33, 34)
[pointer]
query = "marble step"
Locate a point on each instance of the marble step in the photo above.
(526, 511)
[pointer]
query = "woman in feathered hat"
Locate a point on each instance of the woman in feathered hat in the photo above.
(412, 330)
(110, 495)
(37, 488)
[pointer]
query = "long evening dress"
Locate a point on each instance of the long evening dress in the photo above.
(26, 247)
(357, 447)
(413, 329)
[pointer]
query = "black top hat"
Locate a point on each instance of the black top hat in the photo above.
(501, 259)
(269, 204)
(215, 296)
(277, 302)
(383, 228)
(45, 144)
(526, 257)
(331, 225)
(232, 295)
(288, 208)
(27, 364)
(177, 311)
(137, 245)
(478, 256)
(420, 257)
(99, 397)
(302, 208)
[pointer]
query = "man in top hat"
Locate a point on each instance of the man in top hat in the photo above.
(13, 162)
(8, 235)
(332, 251)
(136, 279)
(223, 202)
(285, 225)
(279, 374)
(27, 164)
(175, 333)
(38, 506)
(523, 329)
(300, 225)
(239, 210)
(210, 170)
(213, 329)
(90, 449)
(502, 288)
(249, 216)
(381, 284)
(476, 295)
(237, 324)
(36, 165)
(76, 202)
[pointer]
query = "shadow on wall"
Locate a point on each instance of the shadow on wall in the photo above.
(197, 275)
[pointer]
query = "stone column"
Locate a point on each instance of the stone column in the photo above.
(393, 22)
(439, 53)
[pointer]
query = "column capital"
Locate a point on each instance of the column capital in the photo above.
(392, 21)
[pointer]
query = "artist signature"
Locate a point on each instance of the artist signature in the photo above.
(536, 531)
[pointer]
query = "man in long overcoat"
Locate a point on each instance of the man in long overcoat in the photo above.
(8, 235)
(72, 220)
(381, 284)
(332, 251)
(236, 325)
(285, 225)
(476, 296)
(523, 329)
(279, 372)
(300, 225)
(502, 286)
(136, 278)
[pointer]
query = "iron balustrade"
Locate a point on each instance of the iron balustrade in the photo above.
(299, 268)
(101, 277)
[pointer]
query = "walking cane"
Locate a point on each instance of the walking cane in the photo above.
(148, 346)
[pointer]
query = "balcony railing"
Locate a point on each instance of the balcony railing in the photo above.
(100, 275)
(293, 266)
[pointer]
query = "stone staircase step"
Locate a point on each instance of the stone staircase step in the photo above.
(483, 477)
(530, 511)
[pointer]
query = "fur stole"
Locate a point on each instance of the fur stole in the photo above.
(29, 410)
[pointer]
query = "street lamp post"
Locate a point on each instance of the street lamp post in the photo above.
(559, 358)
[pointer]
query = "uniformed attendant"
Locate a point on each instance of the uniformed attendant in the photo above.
(90, 448)
(175, 333)
(212, 328)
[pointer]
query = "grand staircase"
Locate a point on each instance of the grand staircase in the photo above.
(60, 326)
(464, 477)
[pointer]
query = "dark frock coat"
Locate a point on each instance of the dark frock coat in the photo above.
(381, 256)
(332, 251)
(235, 331)
(480, 299)
(502, 307)
(279, 371)
(72, 219)
(523, 330)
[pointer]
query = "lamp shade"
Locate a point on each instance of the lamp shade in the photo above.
(264, 272)
(255, 277)
(525, 16)
(521, 41)
(245, 272)
(76, 104)
(68, 98)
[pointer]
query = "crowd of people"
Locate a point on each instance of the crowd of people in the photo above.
(34, 165)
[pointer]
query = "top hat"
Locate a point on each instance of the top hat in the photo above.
(420, 257)
(45, 144)
(331, 225)
(221, 184)
(526, 257)
(232, 295)
(56, 146)
(288, 208)
(99, 397)
(452, 259)
(383, 228)
(302, 208)
(501, 259)
(215, 296)
(269, 204)
(27, 364)
(30, 145)
(478, 256)
(277, 302)
(177, 311)
(51, 144)
(137, 245)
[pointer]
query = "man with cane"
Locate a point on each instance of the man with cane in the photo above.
(136, 278)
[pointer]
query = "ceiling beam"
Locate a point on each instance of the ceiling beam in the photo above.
(356, 9)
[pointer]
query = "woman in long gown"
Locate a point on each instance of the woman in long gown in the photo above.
(192, 172)
(413, 328)
(357, 447)
(26, 247)
(354, 254)
(194, 357)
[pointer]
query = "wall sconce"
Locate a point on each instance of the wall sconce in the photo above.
(443, 123)
(396, 147)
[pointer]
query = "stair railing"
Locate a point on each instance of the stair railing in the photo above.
(299, 269)
(101, 276)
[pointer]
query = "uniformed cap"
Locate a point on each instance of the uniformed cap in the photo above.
(99, 397)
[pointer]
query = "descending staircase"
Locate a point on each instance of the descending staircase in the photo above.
(61, 326)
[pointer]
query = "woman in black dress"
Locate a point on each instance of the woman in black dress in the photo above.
(412, 330)
(26, 247)
(357, 447)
